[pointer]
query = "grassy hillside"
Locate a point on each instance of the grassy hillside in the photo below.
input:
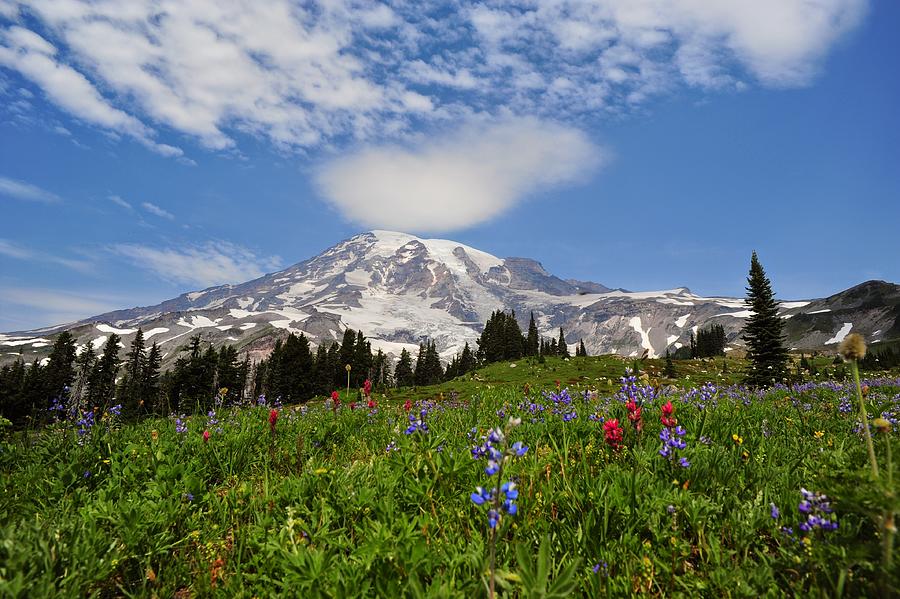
(316, 502)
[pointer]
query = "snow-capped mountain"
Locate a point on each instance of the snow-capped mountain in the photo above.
(400, 289)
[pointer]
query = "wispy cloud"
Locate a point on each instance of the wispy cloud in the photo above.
(21, 190)
(157, 211)
(458, 180)
(300, 74)
(117, 200)
(32, 307)
(36, 58)
(17, 251)
(212, 263)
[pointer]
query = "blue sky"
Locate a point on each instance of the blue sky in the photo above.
(152, 148)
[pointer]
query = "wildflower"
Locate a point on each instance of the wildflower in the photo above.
(612, 433)
(87, 474)
(154, 435)
(853, 347)
(671, 509)
(335, 400)
(506, 500)
(206, 436)
(601, 567)
(273, 419)
(819, 434)
(672, 443)
(817, 508)
(407, 405)
(116, 410)
(188, 497)
(392, 446)
(634, 415)
(737, 440)
(774, 511)
(180, 425)
(367, 388)
(666, 416)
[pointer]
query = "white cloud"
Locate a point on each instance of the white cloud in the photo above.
(11, 249)
(30, 307)
(157, 211)
(120, 202)
(306, 74)
(213, 263)
(459, 180)
(35, 57)
(21, 190)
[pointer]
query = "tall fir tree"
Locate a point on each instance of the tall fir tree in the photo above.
(532, 347)
(420, 372)
(60, 371)
(84, 368)
(150, 382)
(404, 375)
(130, 388)
(103, 381)
(763, 331)
(561, 347)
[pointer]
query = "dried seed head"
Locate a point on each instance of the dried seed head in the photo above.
(853, 347)
(882, 425)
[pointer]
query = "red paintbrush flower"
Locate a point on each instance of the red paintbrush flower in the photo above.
(205, 436)
(634, 415)
(612, 433)
(367, 388)
(273, 418)
(666, 416)
(407, 405)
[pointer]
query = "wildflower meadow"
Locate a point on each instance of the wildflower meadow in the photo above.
(661, 490)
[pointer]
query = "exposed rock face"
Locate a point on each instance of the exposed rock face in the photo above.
(399, 290)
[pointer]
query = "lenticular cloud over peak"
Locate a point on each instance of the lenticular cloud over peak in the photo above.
(456, 180)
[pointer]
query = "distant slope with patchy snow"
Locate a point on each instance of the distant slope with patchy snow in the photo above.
(400, 290)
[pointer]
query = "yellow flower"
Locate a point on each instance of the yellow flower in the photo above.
(737, 440)
(320, 471)
(819, 434)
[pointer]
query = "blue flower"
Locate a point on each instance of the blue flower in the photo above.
(519, 449)
(774, 512)
(480, 496)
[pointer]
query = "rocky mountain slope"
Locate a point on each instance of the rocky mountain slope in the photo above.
(400, 290)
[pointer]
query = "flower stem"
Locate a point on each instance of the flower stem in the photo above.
(870, 447)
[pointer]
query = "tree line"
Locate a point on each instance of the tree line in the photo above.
(502, 339)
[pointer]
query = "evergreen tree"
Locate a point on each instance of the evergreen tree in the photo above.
(323, 372)
(130, 388)
(467, 360)
(84, 368)
(764, 330)
(348, 352)
(532, 347)
(12, 403)
(582, 350)
(103, 381)
(552, 349)
(420, 375)
(561, 345)
(403, 373)
(60, 372)
(150, 383)
(433, 369)
(670, 367)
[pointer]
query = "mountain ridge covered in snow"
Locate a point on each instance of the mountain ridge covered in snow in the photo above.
(400, 289)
